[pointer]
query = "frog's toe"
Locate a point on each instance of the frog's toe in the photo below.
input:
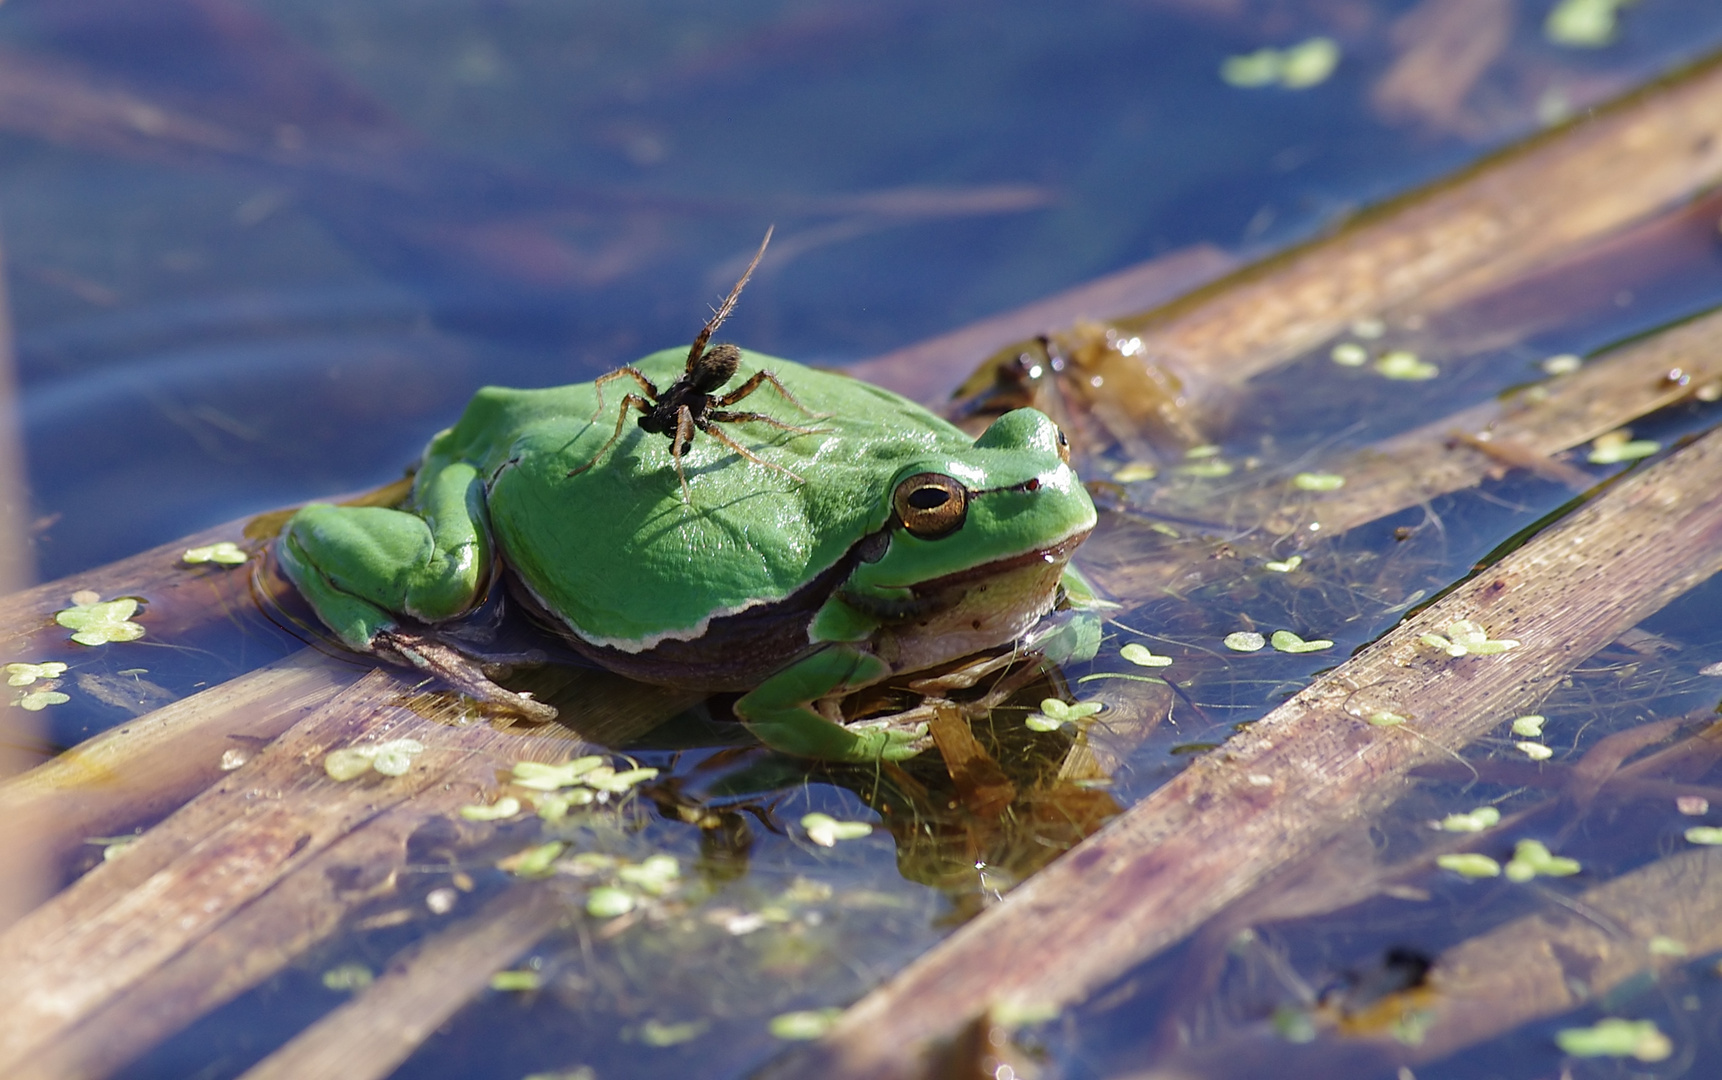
(882, 743)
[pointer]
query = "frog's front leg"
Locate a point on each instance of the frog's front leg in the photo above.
(362, 568)
(780, 710)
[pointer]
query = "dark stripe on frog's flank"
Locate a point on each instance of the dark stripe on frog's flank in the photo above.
(738, 652)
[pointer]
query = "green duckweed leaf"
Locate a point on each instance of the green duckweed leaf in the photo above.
(826, 830)
(543, 777)
(25, 674)
(500, 810)
(226, 553)
(804, 1025)
(1615, 1037)
(1287, 642)
(1469, 864)
(1405, 365)
(1285, 567)
(608, 901)
(660, 1033)
(1529, 727)
(1245, 641)
(37, 700)
(1318, 481)
(514, 982)
(1142, 656)
(1478, 820)
(99, 622)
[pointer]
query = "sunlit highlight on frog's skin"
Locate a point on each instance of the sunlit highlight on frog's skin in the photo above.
(898, 544)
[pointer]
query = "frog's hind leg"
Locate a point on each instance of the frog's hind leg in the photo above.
(632, 401)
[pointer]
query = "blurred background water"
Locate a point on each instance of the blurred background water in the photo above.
(259, 252)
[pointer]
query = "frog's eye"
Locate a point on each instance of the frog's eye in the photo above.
(1063, 447)
(930, 505)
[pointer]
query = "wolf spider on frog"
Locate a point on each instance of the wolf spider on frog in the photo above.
(692, 404)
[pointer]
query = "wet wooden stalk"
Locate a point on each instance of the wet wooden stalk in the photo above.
(167, 901)
(1309, 769)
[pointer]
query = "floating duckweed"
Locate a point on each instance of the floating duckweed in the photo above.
(500, 810)
(1245, 641)
(392, 758)
(1368, 328)
(1385, 718)
(1287, 642)
(1536, 751)
(348, 977)
(1708, 835)
(37, 700)
(1142, 656)
(97, 622)
(542, 777)
(1529, 727)
(1615, 1037)
(1564, 364)
(1618, 446)
(1286, 566)
(227, 553)
(1406, 365)
(1466, 637)
(1296, 68)
(805, 1024)
(607, 902)
(1531, 858)
(514, 982)
(1692, 805)
(1309, 64)
(1583, 24)
(825, 830)
(617, 782)
(657, 875)
(25, 674)
(1055, 713)
(346, 764)
(1135, 472)
(1663, 945)
(1469, 864)
(659, 1033)
(1199, 453)
(1318, 481)
(554, 806)
(534, 861)
(1478, 820)
(1349, 354)
(1207, 470)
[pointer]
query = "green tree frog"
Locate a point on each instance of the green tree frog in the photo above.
(880, 542)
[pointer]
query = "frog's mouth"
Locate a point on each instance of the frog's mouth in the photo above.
(972, 610)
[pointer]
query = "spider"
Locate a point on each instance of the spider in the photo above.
(692, 402)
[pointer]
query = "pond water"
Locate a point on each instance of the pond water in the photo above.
(257, 254)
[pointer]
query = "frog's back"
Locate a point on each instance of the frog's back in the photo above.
(615, 551)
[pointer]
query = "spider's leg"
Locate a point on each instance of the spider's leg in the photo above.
(759, 378)
(683, 439)
(622, 373)
(728, 304)
(631, 401)
(749, 455)
(724, 416)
